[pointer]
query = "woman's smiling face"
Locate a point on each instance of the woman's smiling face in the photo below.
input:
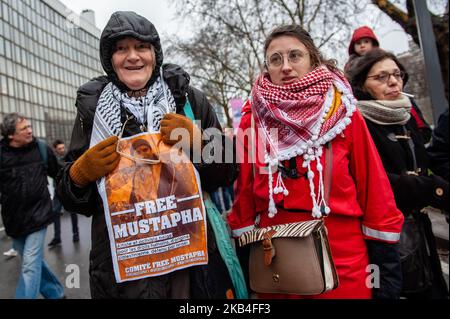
(134, 62)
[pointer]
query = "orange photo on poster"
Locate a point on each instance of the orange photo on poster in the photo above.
(154, 210)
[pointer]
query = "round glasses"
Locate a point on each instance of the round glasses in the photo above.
(293, 56)
(384, 77)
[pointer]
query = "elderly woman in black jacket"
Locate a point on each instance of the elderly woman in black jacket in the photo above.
(377, 80)
(140, 87)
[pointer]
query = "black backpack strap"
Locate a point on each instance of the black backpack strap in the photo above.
(43, 151)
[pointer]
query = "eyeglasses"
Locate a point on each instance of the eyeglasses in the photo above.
(384, 77)
(133, 158)
(293, 56)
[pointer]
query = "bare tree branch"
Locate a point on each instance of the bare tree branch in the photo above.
(226, 53)
(407, 20)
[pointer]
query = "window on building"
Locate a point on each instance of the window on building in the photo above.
(5, 104)
(5, 12)
(11, 91)
(14, 19)
(26, 92)
(3, 85)
(2, 46)
(8, 50)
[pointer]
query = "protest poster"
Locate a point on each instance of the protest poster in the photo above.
(154, 210)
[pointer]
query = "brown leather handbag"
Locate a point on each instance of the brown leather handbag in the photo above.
(293, 258)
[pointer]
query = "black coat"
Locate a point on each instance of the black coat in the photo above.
(413, 191)
(25, 198)
(438, 150)
(206, 281)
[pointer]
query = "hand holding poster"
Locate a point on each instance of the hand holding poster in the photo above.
(154, 210)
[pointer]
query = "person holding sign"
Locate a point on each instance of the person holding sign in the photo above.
(134, 110)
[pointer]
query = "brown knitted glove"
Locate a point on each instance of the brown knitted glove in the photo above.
(172, 121)
(95, 163)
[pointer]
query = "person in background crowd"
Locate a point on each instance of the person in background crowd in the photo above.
(216, 198)
(310, 102)
(228, 191)
(10, 253)
(438, 150)
(362, 42)
(60, 150)
(25, 163)
(223, 198)
(378, 80)
(150, 97)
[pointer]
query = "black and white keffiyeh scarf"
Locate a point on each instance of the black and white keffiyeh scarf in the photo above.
(148, 110)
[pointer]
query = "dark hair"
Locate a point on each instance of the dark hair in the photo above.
(57, 142)
(296, 31)
(8, 126)
(358, 71)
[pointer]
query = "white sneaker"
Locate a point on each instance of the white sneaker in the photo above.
(11, 253)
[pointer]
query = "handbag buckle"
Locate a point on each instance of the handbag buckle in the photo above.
(276, 278)
(269, 249)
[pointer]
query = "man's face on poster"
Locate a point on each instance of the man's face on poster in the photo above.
(143, 151)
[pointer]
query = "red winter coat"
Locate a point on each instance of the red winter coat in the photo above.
(361, 201)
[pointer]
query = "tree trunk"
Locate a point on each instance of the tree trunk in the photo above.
(407, 21)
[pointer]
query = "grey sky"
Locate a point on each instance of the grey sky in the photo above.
(162, 14)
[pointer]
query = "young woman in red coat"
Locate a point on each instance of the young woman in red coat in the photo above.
(310, 103)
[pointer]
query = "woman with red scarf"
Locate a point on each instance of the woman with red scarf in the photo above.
(310, 105)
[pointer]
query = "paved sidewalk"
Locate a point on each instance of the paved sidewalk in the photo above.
(62, 259)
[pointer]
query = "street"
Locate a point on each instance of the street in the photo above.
(63, 259)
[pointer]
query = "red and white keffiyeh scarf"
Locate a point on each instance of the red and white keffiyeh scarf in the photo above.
(298, 112)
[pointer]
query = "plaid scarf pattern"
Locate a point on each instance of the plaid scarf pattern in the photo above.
(297, 111)
(299, 114)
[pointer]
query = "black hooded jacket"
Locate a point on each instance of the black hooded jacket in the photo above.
(128, 24)
(87, 201)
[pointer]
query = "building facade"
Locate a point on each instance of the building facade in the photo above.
(46, 53)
